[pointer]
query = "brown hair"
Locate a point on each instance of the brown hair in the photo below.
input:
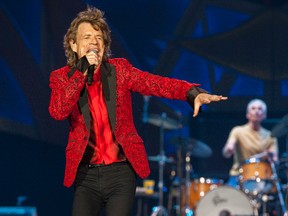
(96, 18)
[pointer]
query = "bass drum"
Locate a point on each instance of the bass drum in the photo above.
(199, 187)
(224, 200)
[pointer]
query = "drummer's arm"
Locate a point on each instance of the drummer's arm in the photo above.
(229, 148)
(275, 157)
(274, 149)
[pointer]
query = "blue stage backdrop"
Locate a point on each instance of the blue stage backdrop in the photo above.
(235, 48)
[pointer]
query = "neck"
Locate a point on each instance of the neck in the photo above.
(254, 125)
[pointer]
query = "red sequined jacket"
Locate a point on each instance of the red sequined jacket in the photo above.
(119, 79)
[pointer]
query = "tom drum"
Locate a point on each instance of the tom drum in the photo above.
(256, 176)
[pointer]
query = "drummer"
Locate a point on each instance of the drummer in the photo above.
(249, 139)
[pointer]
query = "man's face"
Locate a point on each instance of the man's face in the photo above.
(87, 39)
(256, 112)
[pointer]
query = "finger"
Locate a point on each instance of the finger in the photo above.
(222, 97)
(217, 98)
(196, 109)
(214, 97)
(92, 60)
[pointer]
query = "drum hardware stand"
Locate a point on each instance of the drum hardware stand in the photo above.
(160, 210)
(255, 205)
(188, 168)
(279, 130)
(265, 198)
(179, 175)
(184, 210)
(179, 167)
(275, 177)
(174, 192)
(175, 189)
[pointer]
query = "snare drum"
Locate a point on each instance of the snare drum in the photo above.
(199, 187)
(224, 200)
(256, 176)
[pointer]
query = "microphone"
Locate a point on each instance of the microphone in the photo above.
(90, 74)
(91, 68)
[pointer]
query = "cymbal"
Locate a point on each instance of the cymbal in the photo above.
(195, 147)
(281, 128)
(167, 122)
(160, 158)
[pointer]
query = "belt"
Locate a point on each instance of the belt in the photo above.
(90, 166)
(94, 165)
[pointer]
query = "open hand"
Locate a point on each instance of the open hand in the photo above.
(204, 98)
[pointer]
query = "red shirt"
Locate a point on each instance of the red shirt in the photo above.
(102, 147)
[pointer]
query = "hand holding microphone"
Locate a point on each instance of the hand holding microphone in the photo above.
(91, 68)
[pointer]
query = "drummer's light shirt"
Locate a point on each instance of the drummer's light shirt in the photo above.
(248, 143)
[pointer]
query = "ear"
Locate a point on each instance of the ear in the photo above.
(73, 45)
(247, 115)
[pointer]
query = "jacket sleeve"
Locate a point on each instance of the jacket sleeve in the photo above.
(192, 94)
(150, 84)
(65, 92)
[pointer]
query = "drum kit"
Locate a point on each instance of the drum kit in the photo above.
(191, 147)
(210, 196)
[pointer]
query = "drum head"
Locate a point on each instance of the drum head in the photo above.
(224, 200)
(253, 187)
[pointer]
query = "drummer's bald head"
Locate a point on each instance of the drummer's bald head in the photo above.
(261, 102)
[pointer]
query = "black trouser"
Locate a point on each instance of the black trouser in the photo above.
(111, 187)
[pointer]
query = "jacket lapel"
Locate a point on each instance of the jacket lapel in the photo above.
(84, 107)
(108, 76)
